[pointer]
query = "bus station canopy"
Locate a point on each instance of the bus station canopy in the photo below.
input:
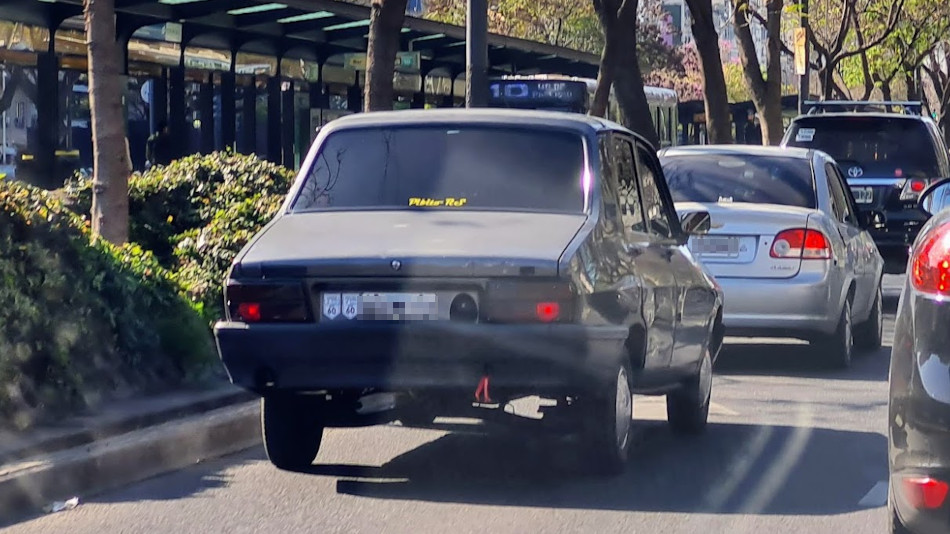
(306, 29)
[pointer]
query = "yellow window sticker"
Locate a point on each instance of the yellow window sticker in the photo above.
(449, 202)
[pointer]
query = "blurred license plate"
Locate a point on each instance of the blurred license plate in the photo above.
(715, 246)
(381, 306)
(863, 195)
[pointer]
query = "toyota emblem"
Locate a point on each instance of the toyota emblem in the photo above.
(855, 172)
(396, 265)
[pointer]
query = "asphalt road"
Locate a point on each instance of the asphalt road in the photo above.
(792, 448)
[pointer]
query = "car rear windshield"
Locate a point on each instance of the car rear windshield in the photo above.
(871, 147)
(740, 178)
(447, 167)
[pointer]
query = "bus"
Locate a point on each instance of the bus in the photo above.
(566, 93)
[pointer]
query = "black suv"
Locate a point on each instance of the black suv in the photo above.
(888, 158)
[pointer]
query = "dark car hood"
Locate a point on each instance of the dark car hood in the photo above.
(424, 243)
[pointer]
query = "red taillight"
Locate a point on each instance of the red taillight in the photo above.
(266, 302)
(801, 243)
(930, 265)
(548, 311)
(249, 311)
(913, 188)
(924, 492)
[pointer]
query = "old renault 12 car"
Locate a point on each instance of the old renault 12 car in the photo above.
(448, 262)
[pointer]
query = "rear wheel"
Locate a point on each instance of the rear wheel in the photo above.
(869, 334)
(607, 426)
(687, 409)
(292, 431)
(837, 348)
(416, 415)
(896, 526)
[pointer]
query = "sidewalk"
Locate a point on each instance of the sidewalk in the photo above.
(122, 443)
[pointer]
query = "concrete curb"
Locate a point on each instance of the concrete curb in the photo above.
(60, 439)
(102, 465)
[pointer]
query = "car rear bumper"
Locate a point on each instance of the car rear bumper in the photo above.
(401, 356)
(809, 302)
(898, 234)
(919, 407)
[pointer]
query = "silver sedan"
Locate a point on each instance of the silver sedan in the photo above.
(787, 244)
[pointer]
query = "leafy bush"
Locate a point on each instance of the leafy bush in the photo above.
(83, 320)
(197, 213)
(166, 203)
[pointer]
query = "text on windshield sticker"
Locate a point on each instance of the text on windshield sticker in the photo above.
(449, 202)
(805, 135)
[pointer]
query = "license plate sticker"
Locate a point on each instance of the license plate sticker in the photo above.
(725, 247)
(381, 306)
(863, 195)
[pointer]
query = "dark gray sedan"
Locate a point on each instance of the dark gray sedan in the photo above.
(919, 404)
(450, 262)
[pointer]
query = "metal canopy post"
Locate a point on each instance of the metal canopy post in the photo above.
(476, 54)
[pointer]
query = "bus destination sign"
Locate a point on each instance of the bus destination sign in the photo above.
(535, 93)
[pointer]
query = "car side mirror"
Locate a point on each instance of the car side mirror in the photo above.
(936, 197)
(696, 223)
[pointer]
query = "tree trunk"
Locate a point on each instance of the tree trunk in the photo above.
(718, 117)
(385, 29)
(628, 85)
(827, 78)
(605, 75)
(886, 91)
(618, 19)
(766, 92)
(110, 198)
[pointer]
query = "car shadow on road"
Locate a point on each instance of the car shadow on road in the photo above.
(732, 469)
(801, 360)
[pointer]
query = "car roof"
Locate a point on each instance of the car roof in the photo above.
(485, 116)
(739, 150)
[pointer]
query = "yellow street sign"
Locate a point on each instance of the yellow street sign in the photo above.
(801, 41)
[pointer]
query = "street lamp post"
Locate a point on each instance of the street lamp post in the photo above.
(476, 54)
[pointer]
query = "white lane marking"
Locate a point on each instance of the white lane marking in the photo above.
(876, 497)
(653, 408)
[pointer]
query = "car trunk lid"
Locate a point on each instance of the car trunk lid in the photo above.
(413, 243)
(740, 239)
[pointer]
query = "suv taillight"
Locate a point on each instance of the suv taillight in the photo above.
(526, 301)
(801, 243)
(266, 302)
(930, 264)
(913, 188)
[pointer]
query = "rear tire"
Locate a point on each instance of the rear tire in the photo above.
(837, 348)
(607, 427)
(416, 416)
(292, 431)
(895, 526)
(869, 334)
(687, 409)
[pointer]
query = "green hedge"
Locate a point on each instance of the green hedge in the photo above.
(197, 213)
(83, 319)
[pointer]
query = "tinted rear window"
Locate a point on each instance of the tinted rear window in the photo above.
(447, 167)
(740, 178)
(878, 147)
